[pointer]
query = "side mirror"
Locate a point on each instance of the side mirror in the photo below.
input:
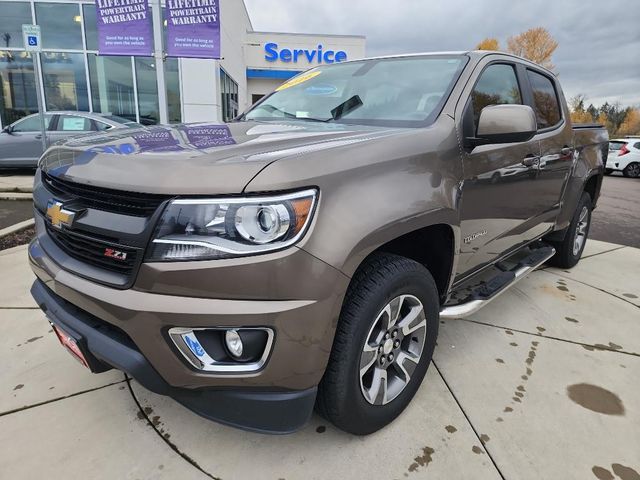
(505, 124)
(8, 129)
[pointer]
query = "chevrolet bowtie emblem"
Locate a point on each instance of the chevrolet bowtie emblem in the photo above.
(57, 214)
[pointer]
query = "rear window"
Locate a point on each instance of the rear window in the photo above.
(613, 146)
(545, 100)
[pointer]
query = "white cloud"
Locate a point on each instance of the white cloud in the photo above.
(599, 43)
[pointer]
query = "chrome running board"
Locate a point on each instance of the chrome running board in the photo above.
(473, 304)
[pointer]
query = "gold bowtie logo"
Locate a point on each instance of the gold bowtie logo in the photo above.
(58, 215)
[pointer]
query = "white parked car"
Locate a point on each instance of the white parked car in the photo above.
(624, 156)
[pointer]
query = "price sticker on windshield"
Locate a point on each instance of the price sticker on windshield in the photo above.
(298, 80)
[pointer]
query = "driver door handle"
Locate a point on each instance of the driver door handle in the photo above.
(530, 160)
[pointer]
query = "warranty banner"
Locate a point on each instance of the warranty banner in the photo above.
(193, 28)
(124, 27)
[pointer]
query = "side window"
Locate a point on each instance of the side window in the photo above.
(70, 123)
(31, 124)
(545, 100)
(497, 85)
(101, 126)
(636, 145)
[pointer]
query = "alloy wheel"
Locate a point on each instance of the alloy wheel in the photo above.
(392, 350)
(581, 230)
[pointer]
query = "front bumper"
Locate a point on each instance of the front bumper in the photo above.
(261, 411)
(277, 398)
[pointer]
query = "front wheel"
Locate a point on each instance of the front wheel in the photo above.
(632, 170)
(569, 250)
(383, 345)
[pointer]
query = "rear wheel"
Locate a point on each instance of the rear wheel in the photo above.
(383, 345)
(569, 251)
(632, 170)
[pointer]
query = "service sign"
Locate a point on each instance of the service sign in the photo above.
(193, 28)
(124, 27)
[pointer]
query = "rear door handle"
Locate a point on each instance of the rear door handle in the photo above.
(530, 160)
(38, 136)
(566, 151)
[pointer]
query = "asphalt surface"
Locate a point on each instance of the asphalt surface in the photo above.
(616, 220)
(617, 217)
(14, 211)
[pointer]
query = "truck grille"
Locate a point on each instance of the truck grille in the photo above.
(92, 251)
(126, 203)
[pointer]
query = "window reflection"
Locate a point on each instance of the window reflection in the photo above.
(13, 16)
(172, 80)
(17, 86)
(90, 28)
(60, 24)
(65, 81)
(147, 90)
(112, 85)
(229, 91)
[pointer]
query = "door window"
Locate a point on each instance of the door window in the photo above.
(498, 85)
(545, 100)
(101, 126)
(31, 124)
(72, 123)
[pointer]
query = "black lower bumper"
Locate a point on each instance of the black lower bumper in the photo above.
(108, 347)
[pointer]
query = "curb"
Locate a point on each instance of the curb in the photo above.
(15, 196)
(17, 227)
(4, 190)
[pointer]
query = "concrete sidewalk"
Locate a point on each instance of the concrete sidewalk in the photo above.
(541, 384)
(16, 183)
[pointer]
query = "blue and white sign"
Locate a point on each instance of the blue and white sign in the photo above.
(316, 56)
(31, 38)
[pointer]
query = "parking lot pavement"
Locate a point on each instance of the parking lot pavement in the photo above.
(542, 383)
(617, 218)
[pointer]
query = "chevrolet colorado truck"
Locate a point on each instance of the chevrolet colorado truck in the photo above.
(302, 255)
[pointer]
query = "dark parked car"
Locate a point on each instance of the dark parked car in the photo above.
(304, 254)
(21, 142)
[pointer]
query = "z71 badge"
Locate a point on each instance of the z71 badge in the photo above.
(115, 254)
(472, 237)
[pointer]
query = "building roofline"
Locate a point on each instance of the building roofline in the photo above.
(308, 34)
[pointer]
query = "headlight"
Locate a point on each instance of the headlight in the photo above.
(205, 229)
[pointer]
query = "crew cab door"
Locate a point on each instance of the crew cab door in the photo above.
(556, 141)
(499, 206)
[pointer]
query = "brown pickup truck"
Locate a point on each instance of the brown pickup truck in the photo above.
(303, 254)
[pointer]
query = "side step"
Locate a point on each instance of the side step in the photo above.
(476, 293)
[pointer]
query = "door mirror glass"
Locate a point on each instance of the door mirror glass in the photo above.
(506, 124)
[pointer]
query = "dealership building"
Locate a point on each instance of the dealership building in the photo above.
(75, 77)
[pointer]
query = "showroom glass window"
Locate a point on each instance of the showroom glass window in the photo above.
(12, 17)
(112, 86)
(17, 86)
(61, 25)
(147, 91)
(65, 81)
(545, 100)
(229, 93)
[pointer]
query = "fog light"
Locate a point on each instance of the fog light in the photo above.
(234, 343)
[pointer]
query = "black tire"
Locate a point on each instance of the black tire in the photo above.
(382, 278)
(632, 170)
(566, 256)
(608, 171)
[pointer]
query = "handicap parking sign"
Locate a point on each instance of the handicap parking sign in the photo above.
(31, 37)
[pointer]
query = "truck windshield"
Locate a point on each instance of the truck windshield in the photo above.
(396, 92)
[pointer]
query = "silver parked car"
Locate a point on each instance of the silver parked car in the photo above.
(21, 142)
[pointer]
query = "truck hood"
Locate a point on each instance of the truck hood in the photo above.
(198, 158)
